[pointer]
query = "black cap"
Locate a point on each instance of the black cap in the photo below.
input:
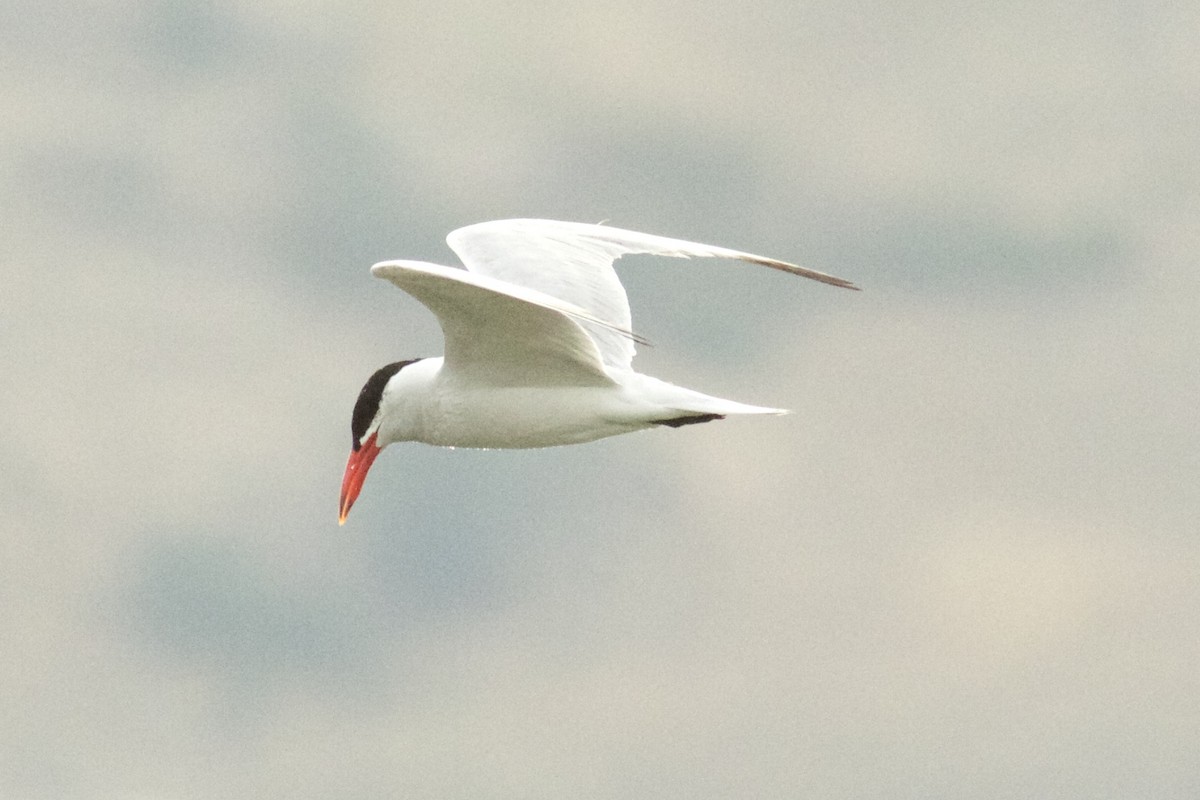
(367, 405)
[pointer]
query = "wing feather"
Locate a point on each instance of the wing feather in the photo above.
(573, 262)
(499, 334)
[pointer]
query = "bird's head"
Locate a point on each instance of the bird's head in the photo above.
(364, 433)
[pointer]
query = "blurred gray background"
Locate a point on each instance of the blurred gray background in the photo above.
(965, 567)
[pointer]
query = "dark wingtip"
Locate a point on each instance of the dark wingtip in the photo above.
(804, 272)
(831, 280)
(688, 419)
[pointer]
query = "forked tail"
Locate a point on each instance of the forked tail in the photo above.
(681, 406)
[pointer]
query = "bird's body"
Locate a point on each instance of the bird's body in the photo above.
(538, 346)
(427, 403)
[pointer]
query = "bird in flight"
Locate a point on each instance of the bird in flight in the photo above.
(538, 346)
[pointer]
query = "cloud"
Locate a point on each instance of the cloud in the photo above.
(960, 566)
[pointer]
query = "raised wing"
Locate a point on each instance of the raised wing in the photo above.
(500, 334)
(572, 261)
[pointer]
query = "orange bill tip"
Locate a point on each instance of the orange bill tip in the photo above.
(357, 467)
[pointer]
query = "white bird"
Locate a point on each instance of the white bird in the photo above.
(538, 346)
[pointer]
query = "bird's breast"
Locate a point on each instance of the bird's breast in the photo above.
(524, 417)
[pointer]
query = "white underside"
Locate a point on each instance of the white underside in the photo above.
(422, 404)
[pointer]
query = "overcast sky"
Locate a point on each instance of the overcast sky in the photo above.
(967, 566)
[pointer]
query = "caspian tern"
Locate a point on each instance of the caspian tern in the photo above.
(538, 346)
